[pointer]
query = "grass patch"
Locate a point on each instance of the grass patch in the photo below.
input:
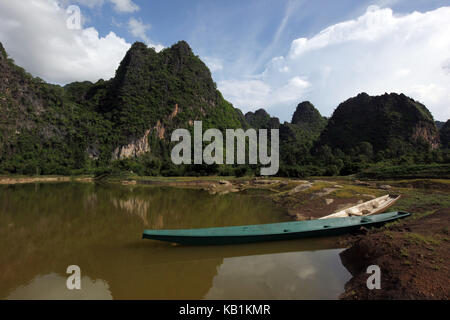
(436, 267)
(407, 263)
(438, 171)
(351, 191)
(317, 186)
(418, 181)
(419, 239)
(404, 252)
(388, 234)
(419, 201)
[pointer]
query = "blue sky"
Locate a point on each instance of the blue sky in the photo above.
(262, 53)
(239, 30)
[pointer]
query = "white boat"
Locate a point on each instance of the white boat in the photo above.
(368, 208)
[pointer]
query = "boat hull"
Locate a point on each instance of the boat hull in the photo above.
(272, 232)
(367, 208)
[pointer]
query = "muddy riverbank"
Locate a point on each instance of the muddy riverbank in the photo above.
(412, 255)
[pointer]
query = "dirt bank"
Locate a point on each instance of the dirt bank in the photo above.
(412, 255)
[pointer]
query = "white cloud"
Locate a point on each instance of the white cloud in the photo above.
(213, 64)
(253, 94)
(126, 6)
(378, 52)
(35, 34)
(87, 3)
(247, 94)
(139, 29)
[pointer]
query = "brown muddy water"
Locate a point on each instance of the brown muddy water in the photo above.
(44, 228)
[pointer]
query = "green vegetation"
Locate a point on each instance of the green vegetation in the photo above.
(415, 171)
(404, 252)
(75, 129)
(260, 119)
(80, 128)
(421, 240)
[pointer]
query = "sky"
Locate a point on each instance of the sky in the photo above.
(269, 54)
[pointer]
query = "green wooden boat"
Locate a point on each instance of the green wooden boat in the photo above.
(272, 232)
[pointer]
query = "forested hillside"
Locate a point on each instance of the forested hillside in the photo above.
(124, 124)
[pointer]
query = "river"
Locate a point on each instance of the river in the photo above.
(44, 228)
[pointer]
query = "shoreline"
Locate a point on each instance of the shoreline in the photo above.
(11, 180)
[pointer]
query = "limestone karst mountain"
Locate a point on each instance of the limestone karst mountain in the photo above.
(126, 122)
